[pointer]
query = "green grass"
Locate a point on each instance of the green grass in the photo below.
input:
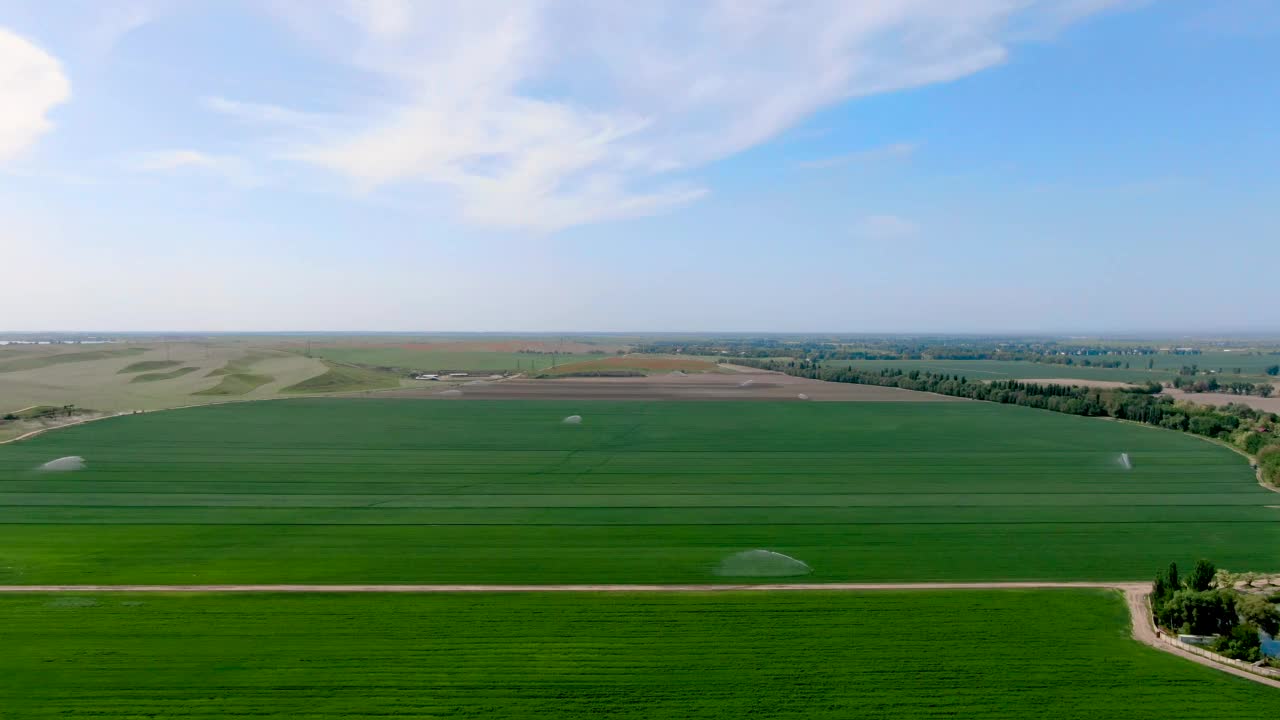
(345, 378)
(314, 490)
(148, 366)
(37, 411)
(158, 376)
(236, 384)
(241, 365)
(445, 361)
(36, 362)
(955, 654)
(237, 376)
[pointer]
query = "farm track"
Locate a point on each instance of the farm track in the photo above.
(1135, 594)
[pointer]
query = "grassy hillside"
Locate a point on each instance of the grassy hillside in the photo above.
(238, 376)
(236, 384)
(35, 362)
(148, 366)
(1007, 654)
(444, 361)
(501, 491)
(345, 378)
(158, 376)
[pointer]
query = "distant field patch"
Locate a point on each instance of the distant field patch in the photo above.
(890, 655)
(236, 384)
(1014, 369)
(634, 363)
(49, 360)
(148, 366)
(159, 376)
(344, 378)
(386, 490)
(430, 358)
(1165, 367)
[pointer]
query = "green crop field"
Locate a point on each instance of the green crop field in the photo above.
(1166, 367)
(1249, 363)
(954, 654)
(445, 361)
(315, 490)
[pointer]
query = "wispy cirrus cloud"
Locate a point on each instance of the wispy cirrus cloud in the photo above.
(885, 227)
(547, 115)
(225, 167)
(893, 151)
(31, 84)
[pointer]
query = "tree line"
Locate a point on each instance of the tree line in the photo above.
(1230, 387)
(1246, 428)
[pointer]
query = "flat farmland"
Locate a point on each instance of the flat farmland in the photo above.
(639, 363)
(945, 654)
(438, 358)
(1017, 369)
(373, 490)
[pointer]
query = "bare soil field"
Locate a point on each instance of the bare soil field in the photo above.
(747, 384)
(1271, 404)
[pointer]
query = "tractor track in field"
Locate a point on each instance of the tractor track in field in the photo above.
(1135, 594)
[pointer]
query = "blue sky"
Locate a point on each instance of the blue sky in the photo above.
(909, 166)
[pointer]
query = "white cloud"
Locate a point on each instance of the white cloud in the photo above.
(31, 83)
(266, 114)
(894, 151)
(545, 115)
(885, 227)
(225, 167)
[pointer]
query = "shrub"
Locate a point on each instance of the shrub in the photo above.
(1241, 643)
(1258, 611)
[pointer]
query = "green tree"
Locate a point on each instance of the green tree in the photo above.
(1159, 588)
(1274, 370)
(1172, 577)
(1201, 577)
(1199, 613)
(1256, 610)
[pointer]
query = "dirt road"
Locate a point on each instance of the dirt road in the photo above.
(1135, 594)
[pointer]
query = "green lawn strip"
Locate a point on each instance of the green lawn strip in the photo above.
(42, 361)
(158, 376)
(345, 378)
(148, 366)
(945, 654)
(333, 490)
